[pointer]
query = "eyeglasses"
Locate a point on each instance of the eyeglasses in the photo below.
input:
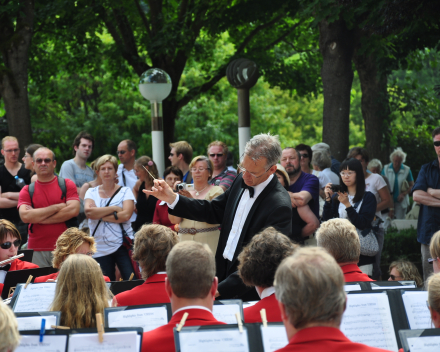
(432, 260)
(393, 277)
(304, 156)
(12, 151)
(347, 174)
(46, 161)
(200, 169)
(7, 245)
(219, 155)
(436, 143)
(90, 254)
(121, 152)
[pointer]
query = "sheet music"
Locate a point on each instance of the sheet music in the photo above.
(348, 288)
(417, 312)
(50, 343)
(367, 319)
(373, 287)
(218, 340)
(274, 337)
(34, 323)
(2, 276)
(146, 318)
(35, 298)
(226, 312)
(424, 343)
(113, 342)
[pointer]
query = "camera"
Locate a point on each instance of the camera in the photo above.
(185, 186)
(335, 188)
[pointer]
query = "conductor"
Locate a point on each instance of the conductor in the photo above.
(255, 200)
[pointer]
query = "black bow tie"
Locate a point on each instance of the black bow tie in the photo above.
(249, 188)
(6, 267)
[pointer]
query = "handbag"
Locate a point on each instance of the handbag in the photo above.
(367, 238)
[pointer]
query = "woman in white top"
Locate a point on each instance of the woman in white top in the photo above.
(105, 221)
(375, 184)
(189, 230)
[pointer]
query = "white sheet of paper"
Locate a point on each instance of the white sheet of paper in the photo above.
(367, 319)
(35, 298)
(113, 342)
(392, 287)
(417, 312)
(226, 312)
(424, 344)
(50, 343)
(2, 276)
(146, 318)
(214, 341)
(34, 323)
(274, 337)
(348, 288)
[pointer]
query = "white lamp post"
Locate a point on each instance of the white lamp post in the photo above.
(155, 86)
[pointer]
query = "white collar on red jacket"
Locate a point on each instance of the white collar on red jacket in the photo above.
(192, 307)
(267, 292)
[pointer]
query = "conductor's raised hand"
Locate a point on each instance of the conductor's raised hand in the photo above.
(161, 190)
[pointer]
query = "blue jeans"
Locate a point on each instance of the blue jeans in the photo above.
(120, 257)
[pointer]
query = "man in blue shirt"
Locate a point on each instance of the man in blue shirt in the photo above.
(180, 156)
(427, 193)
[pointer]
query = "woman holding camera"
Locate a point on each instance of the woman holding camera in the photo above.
(352, 202)
(201, 169)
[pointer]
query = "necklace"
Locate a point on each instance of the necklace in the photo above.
(102, 187)
(198, 192)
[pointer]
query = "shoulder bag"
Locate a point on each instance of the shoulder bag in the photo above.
(367, 238)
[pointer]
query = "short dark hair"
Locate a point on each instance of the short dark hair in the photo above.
(356, 166)
(260, 259)
(173, 170)
(130, 144)
(354, 152)
(77, 140)
(307, 148)
(435, 132)
(31, 148)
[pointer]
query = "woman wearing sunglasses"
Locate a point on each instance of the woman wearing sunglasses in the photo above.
(352, 202)
(10, 240)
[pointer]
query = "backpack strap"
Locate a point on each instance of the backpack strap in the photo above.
(31, 190)
(62, 185)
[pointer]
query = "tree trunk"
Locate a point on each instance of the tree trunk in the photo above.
(374, 104)
(336, 44)
(14, 78)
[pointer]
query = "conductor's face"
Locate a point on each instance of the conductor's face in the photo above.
(256, 172)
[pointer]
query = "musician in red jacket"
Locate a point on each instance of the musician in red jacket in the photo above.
(10, 240)
(258, 262)
(151, 247)
(339, 237)
(309, 286)
(71, 241)
(191, 285)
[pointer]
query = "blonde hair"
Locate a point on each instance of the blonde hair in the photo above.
(434, 292)
(106, 158)
(339, 237)
(81, 292)
(218, 144)
(68, 243)
(434, 245)
(184, 148)
(152, 243)
(8, 139)
(310, 285)
(143, 161)
(209, 163)
(190, 269)
(10, 338)
(407, 270)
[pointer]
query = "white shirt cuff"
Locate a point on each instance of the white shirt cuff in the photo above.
(173, 204)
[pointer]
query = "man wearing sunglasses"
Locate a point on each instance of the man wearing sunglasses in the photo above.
(426, 191)
(9, 189)
(47, 210)
(256, 200)
(222, 176)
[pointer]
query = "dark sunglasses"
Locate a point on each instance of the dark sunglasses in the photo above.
(304, 156)
(219, 155)
(122, 152)
(46, 161)
(431, 260)
(8, 245)
(437, 143)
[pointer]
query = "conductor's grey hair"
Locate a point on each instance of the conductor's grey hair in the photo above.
(264, 146)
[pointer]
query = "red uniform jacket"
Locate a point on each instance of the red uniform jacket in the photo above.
(270, 303)
(152, 291)
(162, 338)
(54, 277)
(353, 273)
(17, 264)
(326, 339)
